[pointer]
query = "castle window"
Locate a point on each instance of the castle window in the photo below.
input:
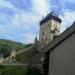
(42, 39)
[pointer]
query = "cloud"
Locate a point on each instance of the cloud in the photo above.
(67, 1)
(5, 3)
(22, 4)
(40, 7)
(23, 26)
(66, 11)
(67, 19)
(29, 21)
(29, 38)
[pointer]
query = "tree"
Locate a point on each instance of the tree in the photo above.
(33, 71)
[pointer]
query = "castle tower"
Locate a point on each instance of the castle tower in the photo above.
(13, 53)
(49, 28)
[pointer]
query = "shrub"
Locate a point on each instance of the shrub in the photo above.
(33, 71)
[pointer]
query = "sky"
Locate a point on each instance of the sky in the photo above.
(19, 19)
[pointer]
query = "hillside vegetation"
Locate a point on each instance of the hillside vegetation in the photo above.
(12, 70)
(6, 46)
(19, 70)
(26, 56)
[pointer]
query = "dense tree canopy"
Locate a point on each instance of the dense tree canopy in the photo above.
(6, 46)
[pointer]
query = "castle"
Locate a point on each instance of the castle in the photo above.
(57, 50)
(49, 29)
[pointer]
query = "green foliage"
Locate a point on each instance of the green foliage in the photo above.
(33, 71)
(19, 70)
(6, 46)
(26, 56)
(34, 51)
(12, 70)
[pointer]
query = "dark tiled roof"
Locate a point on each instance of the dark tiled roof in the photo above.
(48, 17)
(67, 33)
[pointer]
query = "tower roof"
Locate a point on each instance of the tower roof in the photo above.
(51, 15)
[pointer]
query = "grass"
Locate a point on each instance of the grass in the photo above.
(19, 70)
(12, 70)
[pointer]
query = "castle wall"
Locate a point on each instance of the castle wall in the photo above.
(62, 58)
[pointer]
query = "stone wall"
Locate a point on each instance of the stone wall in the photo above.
(62, 58)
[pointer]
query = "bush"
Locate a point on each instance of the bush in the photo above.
(33, 71)
(11, 70)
